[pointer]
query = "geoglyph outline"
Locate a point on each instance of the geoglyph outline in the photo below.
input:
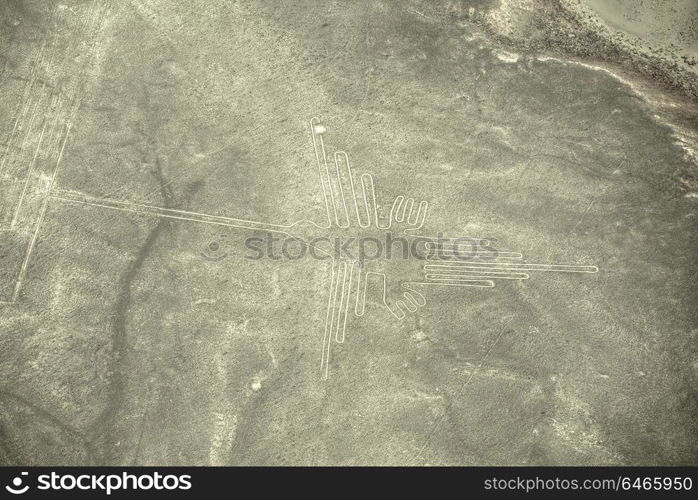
(347, 277)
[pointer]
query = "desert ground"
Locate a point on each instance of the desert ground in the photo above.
(146, 142)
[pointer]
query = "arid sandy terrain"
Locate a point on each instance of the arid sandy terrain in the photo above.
(146, 141)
